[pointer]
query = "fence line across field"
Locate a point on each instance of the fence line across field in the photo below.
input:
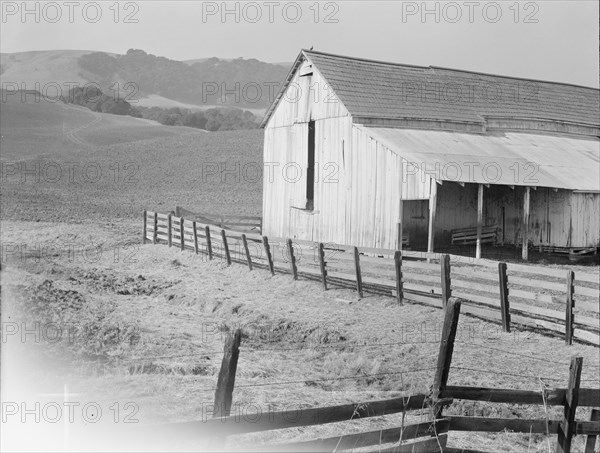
(510, 294)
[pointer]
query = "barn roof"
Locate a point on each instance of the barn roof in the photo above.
(381, 90)
(511, 158)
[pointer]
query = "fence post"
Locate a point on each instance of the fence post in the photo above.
(452, 312)
(170, 228)
(504, 305)
(222, 221)
(226, 380)
(195, 237)
(570, 305)
(145, 227)
(359, 287)
(590, 442)
(208, 242)
(322, 265)
(446, 289)
(155, 233)
(268, 253)
(399, 284)
(566, 429)
(248, 257)
(292, 259)
(181, 233)
(226, 247)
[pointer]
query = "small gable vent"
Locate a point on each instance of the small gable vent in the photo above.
(306, 70)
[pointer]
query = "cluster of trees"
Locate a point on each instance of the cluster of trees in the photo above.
(94, 99)
(214, 119)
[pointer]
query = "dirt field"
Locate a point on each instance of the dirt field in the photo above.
(143, 327)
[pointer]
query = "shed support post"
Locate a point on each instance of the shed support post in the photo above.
(400, 232)
(432, 207)
(479, 219)
(526, 202)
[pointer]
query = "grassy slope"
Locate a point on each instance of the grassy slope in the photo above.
(133, 165)
(48, 66)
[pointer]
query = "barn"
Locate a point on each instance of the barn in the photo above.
(362, 152)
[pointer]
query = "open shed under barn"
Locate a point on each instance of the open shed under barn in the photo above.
(368, 153)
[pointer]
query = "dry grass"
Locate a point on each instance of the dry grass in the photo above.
(294, 332)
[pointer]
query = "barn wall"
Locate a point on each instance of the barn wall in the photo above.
(286, 161)
(560, 218)
(585, 209)
(357, 180)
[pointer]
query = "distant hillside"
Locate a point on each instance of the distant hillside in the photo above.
(198, 82)
(57, 129)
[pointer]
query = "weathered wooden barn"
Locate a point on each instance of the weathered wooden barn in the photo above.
(363, 152)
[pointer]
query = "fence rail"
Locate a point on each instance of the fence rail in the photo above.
(230, 222)
(555, 301)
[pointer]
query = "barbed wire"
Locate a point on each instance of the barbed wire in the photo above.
(503, 373)
(521, 354)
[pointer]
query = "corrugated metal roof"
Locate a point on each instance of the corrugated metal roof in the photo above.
(512, 158)
(374, 89)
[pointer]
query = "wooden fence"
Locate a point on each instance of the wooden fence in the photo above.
(241, 223)
(552, 300)
(430, 435)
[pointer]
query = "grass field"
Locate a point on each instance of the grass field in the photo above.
(150, 321)
(66, 163)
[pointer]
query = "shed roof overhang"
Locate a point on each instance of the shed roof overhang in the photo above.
(499, 158)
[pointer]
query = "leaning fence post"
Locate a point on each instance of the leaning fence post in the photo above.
(155, 232)
(170, 228)
(446, 289)
(399, 284)
(195, 236)
(226, 380)
(268, 253)
(504, 305)
(226, 247)
(247, 250)
(322, 265)
(145, 231)
(292, 259)
(570, 305)
(359, 286)
(181, 233)
(566, 428)
(208, 242)
(590, 442)
(452, 312)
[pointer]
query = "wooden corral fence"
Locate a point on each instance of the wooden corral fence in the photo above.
(430, 435)
(241, 223)
(553, 300)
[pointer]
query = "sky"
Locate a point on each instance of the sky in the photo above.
(547, 40)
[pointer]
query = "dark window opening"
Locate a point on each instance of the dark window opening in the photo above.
(310, 171)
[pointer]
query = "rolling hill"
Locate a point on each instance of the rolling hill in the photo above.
(197, 82)
(65, 163)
